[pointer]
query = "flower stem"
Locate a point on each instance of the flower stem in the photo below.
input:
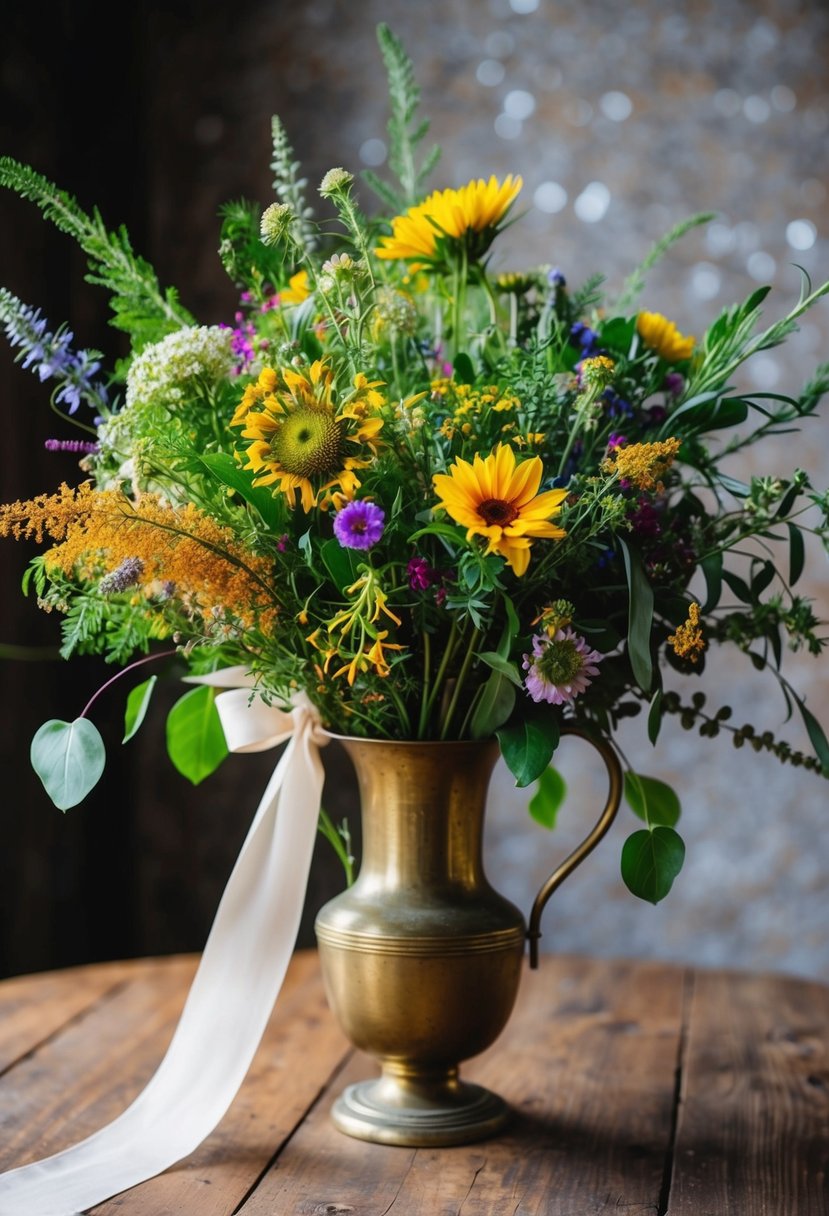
(150, 658)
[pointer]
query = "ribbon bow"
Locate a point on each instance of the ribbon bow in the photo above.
(239, 976)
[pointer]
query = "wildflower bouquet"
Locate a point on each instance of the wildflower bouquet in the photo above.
(438, 502)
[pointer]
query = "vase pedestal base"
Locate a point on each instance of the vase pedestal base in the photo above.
(419, 1112)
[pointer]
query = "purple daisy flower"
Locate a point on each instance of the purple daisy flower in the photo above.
(559, 667)
(359, 525)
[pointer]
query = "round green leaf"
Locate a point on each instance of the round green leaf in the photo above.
(651, 862)
(652, 800)
(69, 758)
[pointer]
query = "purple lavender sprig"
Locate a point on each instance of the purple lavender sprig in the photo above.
(51, 356)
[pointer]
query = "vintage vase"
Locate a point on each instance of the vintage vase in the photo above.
(421, 958)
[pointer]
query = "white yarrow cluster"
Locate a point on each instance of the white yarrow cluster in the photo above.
(166, 372)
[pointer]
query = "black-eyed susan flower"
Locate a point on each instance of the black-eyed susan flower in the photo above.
(662, 336)
(303, 443)
(494, 498)
(450, 219)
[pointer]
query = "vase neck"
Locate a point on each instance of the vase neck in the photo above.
(422, 808)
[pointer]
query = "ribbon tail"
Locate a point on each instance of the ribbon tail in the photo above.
(239, 977)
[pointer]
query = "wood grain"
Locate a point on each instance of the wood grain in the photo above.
(753, 1129)
(587, 1064)
(635, 1087)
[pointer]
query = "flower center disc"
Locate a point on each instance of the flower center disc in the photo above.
(309, 443)
(561, 662)
(495, 511)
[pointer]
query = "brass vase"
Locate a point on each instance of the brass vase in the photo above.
(421, 958)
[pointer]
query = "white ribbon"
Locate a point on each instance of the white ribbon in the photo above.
(239, 977)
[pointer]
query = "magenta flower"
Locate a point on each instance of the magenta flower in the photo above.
(559, 667)
(359, 525)
(421, 574)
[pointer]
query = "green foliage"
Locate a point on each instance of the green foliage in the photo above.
(548, 798)
(141, 308)
(635, 282)
(290, 187)
(527, 745)
(138, 702)
(651, 861)
(652, 800)
(69, 758)
(404, 134)
(195, 739)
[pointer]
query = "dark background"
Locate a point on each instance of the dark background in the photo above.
(158, 122)
(155, 122)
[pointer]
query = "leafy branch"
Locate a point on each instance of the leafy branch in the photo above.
(635, 282)
(141, 308)
(404, 134)
(289, 186)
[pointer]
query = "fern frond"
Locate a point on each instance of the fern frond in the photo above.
(404, 97)
(140, 306)
(290, 187)
(635, 282)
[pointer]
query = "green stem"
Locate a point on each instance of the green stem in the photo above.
(427, 676)
(441, 672)
(462, 674)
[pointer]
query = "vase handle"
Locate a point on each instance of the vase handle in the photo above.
(614, 797)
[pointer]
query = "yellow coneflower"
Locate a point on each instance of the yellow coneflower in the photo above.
(470, 215)
(662, 336)
(301, 442)
(495, 499)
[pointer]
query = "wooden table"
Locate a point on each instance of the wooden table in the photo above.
(637, 1088)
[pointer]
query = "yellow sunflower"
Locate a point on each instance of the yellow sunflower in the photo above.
(303, 443)
(493, 498)
(662, 335)
(470, 215)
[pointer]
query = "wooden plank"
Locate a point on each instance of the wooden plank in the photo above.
(85, 1076)
(753, 1129)
(587, 1063)
(34, 1007)
(300, 1050)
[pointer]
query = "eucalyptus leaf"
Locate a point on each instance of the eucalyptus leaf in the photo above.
(69, 758)
(652, 800)
(137, 704)
(195, 739)
(527, 746)
(548, 799)
(651, 862)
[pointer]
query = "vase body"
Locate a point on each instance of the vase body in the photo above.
(421, 958)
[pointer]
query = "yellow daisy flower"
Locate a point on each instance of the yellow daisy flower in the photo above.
(298, 289)
(301, 442)
(494, 498)
(470, 215)
(662, 336)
